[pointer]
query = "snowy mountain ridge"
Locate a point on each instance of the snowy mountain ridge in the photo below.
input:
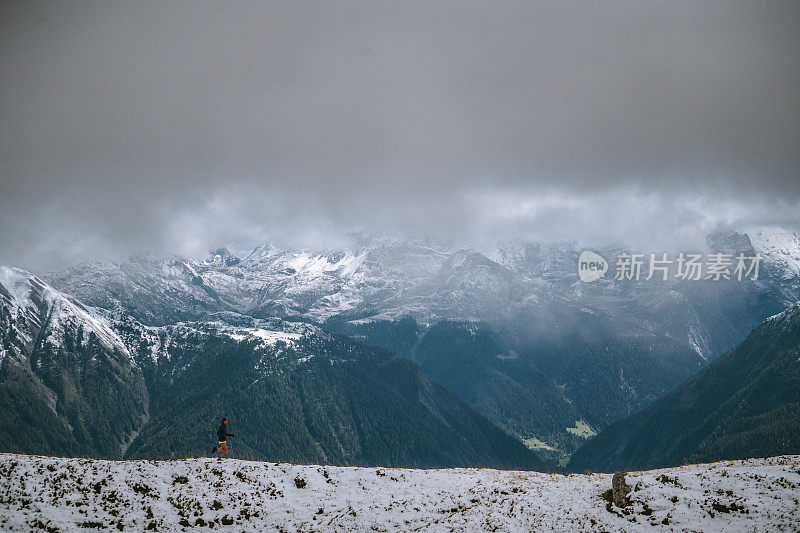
(206, 495)
(383, 276)
(38, 313)
(264, 333)
(68, 393)
(43, 314)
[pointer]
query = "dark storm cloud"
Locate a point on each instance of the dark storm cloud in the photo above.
(177, 126)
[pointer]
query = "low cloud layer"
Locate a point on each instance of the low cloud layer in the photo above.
(176, 127)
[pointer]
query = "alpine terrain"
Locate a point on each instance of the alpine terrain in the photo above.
(744, 404)
(332, 356)
(76, 380)
(51, 494)
(508, 329)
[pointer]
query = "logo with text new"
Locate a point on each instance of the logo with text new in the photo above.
(591, 266)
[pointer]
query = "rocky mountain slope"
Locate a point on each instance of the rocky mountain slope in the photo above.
(744, 404)
(68, 383)
(204, 495)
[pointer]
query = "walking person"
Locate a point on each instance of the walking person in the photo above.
(222, 438)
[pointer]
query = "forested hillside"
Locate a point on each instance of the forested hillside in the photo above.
(319, 399)
(552, 393)
(744, 404)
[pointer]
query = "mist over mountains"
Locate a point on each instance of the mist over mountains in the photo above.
(530, 288)
(534, 354)
(409, 250)
(132, 128)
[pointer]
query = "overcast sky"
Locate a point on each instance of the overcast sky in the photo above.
(175, 127)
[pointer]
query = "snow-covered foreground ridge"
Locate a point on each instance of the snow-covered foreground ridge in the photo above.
(52, 494)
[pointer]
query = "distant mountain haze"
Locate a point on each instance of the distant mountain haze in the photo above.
(510, 331)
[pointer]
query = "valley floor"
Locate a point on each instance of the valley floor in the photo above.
(52, 494)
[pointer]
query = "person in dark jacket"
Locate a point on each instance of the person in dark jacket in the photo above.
(222, 438)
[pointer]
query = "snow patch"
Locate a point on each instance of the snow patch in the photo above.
(779, 249)
(17, 283)
(271, 337)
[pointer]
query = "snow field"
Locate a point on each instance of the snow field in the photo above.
(55, 494)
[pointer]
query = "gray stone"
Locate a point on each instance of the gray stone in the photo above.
(620, 490)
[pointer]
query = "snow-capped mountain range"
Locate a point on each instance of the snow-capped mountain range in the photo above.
(36, 313)
(392, 277)
(385, 278)
(549, 339)
(80, 380)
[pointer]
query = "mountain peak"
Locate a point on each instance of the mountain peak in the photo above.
(730, 242)
(263, 252)
(221, 257)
